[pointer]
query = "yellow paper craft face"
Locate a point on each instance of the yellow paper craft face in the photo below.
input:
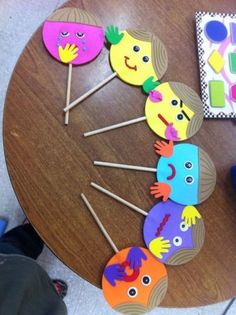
(134, 282)
(138, 56)
(174, 111)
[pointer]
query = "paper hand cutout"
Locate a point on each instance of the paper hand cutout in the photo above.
(112, 35)
(155, 96)
(189, 215)
(150, 85)
(171, 133)
(158, 246)
(160, 190)
(135, 257)
(163, 148)
(113, 273)
(68, 53)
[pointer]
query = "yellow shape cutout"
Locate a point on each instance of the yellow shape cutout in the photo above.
(216, 61)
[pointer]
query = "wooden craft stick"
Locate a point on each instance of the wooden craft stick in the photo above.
(111, 127)
(68, 92)
(121, 200)
(99, 223)
(94, 89)
(125, 166)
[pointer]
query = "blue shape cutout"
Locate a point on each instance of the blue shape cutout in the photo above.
(3, 225)
(216, 31)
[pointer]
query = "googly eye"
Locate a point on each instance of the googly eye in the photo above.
(80, 35)
(65, 34)
(180, 117)
(132, 292)
(136, 48)
(146, 280)
(177, 241)
(145, 59)
(174, 102)
(189, 179)
(188, 165)
(183, 227)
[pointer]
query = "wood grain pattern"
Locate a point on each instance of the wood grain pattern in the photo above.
(50, 164)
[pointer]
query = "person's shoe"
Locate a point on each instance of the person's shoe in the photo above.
(61, 287)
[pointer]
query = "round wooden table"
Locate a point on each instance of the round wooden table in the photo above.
(51, 164)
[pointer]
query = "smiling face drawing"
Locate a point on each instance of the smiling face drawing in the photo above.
(189, 172)
(169, 237)
(73, 36)
(174, 111)
(138, 56)
(133, 281)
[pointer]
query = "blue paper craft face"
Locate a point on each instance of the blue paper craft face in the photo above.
(165, 223)
(181, 172)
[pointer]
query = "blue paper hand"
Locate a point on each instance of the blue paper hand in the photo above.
(135, 257)
(113, 273)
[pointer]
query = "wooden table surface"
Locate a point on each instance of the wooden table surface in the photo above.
(50, 164)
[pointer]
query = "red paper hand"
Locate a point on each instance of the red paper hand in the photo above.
(160, 190)
(163, 148)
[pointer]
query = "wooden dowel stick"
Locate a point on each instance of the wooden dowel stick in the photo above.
(94, 89)
(125, 166)
(121, 200)
(111, 127)
(99, 223)
(68, 92)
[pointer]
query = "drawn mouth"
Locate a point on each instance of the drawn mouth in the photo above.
(173, 171)
(128, 66)
(133, 276)
(163, 119)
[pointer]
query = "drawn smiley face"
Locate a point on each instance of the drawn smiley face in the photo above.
(71, 26)
(138, 56)
(174, 111)
(169, 237)
(189, 172)
(134, 281)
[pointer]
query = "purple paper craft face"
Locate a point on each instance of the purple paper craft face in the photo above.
(89, 39)
(167, 235)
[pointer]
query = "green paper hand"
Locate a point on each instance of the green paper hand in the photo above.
(112, 35)
(150, 85)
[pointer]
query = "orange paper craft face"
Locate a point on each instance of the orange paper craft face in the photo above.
(134, 281)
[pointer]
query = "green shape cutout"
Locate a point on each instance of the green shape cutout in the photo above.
(232, 62)
(217, 93)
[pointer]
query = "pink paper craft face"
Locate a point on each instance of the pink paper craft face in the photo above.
(89, 39)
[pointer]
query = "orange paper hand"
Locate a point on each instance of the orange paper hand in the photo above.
(163, 148)
(160, 190)
(68, 53)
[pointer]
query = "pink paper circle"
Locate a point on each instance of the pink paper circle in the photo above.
(90, 45)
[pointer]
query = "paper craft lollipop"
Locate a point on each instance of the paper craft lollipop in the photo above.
(185, 173)
(173, 111)
(137, 57)
(133, 281)
(172, 232)
(73, 36)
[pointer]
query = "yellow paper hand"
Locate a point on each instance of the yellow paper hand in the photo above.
(189, 215)
(159, 246)
(68, 53)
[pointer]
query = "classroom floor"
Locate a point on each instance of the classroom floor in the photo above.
(18, 20)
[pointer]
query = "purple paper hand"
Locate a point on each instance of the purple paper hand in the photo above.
(135, 257)
(113, 273)
(171, 133)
